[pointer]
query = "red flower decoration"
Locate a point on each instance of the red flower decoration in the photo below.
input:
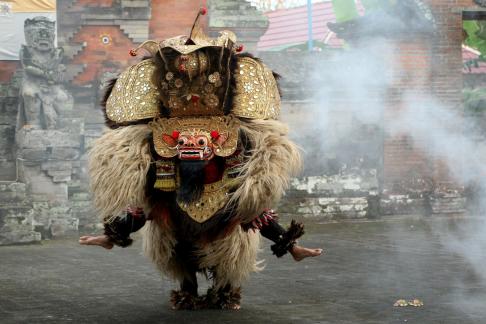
(214, 134)
(194, 98)
(182, 68)
(175, 134)
(203, 11)
(239, 48)
(133, 52)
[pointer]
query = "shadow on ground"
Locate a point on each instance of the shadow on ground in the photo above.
(366, 268)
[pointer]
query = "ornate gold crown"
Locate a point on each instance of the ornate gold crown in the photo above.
(192, 76)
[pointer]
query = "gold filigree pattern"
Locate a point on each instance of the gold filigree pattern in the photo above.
(225, 125)
(194, 63)
(256, 95)
(192, 86)
(214, 197)
(134, 96)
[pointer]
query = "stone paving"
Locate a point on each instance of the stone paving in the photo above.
(367, 267)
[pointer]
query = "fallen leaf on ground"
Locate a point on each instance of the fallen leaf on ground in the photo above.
(401, 303)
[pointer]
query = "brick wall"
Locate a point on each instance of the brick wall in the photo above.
(7, 70)
(431, 66)
(411, 71)
(99, 57)
(174, 17)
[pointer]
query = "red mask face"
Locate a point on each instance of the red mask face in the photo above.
(195, 145)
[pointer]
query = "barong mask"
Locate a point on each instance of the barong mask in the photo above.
(195, 138)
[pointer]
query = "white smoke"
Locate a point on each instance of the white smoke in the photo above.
(353, 88)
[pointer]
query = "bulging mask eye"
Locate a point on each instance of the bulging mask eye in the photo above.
(182, 140)
(202, 141)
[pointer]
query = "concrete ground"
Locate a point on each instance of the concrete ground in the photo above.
(366, 268)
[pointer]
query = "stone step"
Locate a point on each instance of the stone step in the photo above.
(68, 4)
(232, 19)
(67, 35)
(231, 5)
(70, 51)
(137, 31)
(135, 3)
(72, 71)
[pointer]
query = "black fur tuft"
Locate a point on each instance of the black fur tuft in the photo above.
(191, 181)
(106, 94)
(277, 79)
(223, 298)
(288, 239)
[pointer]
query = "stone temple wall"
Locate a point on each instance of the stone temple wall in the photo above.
(368, 181)
(44, 189)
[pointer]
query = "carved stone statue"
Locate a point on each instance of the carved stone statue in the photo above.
(42, 95)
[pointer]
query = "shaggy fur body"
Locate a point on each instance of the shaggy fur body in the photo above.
(118, 165)
(272, 160)
(228, 260)
(123, 174)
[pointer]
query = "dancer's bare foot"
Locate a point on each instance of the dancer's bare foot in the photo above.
(232, 306)
(299, 252)
(101, 240)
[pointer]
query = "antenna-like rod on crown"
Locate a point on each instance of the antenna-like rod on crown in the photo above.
(150, 46)
(202, 11)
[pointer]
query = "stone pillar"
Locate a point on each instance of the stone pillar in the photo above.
(239, 16)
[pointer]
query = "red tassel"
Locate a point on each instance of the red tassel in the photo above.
(175, 134)
(133, 52)
(214, 134)
(203, 11)
(239, 48)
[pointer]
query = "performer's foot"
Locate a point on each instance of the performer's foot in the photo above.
(226, 298)
(101, 240)
(182, 300)
(300, 253)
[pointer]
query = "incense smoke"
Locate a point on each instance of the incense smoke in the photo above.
(352, 95)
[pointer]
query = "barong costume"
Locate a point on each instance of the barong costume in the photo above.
(196, 150)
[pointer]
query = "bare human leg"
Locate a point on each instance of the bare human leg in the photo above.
(101, 240)
(299, 253)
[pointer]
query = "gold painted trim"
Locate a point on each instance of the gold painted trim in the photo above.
(214, 197)
(134, 96)
(256, 95)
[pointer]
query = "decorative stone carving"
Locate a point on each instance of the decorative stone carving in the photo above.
(48, 140)
(42, 94)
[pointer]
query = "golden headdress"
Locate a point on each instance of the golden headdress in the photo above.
(195, 76)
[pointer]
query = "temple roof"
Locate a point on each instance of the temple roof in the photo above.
(289, 27)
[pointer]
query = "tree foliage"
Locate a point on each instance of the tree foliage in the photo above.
(475, 35)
